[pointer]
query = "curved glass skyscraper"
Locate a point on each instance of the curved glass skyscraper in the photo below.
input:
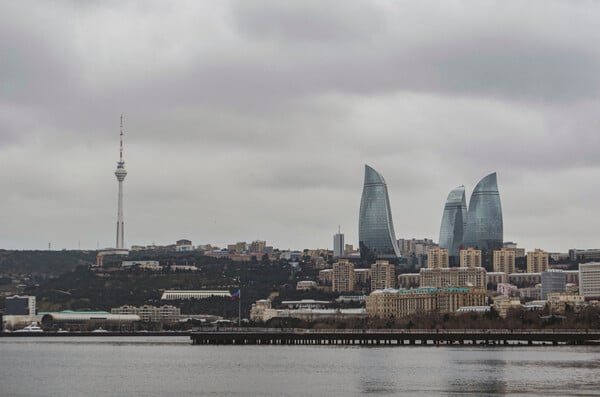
(484, 217)
(376, 235)
(454, 221)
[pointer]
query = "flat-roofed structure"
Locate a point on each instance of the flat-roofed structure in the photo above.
(409, 280)
(152, 314)
(495, 278)
(383, 275)
(437, 258)
(470, 257)
(401, 303)
(171, 295)
(342, 279)
(537, 261)
(525, 279)
(589, 279)
(504, 260)
(553, 281)
(453, 277)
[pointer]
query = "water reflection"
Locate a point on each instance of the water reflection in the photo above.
(480, 377)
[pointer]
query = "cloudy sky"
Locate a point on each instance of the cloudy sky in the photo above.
(253, 119)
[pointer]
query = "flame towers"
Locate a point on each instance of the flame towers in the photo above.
(480, 226)
(376, 235)
(454, 221)
(484, 229)
(120, 173)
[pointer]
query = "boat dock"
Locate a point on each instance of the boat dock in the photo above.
(394, 337)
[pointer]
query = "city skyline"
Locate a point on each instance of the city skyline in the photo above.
(253, 122)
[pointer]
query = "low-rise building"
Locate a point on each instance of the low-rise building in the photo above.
(495, 278)
(402, 303)
(507, 289)
(153, 314)
(559, 302)
(525, 279)
(409, 280)
(453, 277)
(503, 304)
(193, 294)
(306, 285)
(325, 276)
(531, 293)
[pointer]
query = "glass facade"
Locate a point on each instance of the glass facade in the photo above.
(376, 235)
(484, 217)
(454, 220)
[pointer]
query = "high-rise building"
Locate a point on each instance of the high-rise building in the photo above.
(120, 173)
(504, 261)
(484, 228)
(383, 275)
(342, 279)
(376, 235)
(589, 279)
(437, 258)
(537, 261)
(338, 244)
(553, 281)
(454, 220)
(470, 257)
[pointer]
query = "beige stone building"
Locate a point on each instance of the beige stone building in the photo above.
(409, 280)
(470, 258)
(503, 304)
(383, 275)
(453, 277)
(325, 276)
(537, 261)
(559, 301)
(362, 279)
(343, 279)
(496, 278)
(402, 303)
(437, 258)
(504, 261)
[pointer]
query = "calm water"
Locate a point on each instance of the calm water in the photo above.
(171, 366)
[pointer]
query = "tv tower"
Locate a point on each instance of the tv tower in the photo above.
(120, 173)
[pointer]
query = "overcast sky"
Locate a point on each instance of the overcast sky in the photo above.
(253, 119)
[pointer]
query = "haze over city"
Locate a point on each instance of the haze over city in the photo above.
(253, 120)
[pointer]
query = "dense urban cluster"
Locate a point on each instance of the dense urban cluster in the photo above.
(469, 278)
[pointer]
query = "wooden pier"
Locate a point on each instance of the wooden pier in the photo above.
(394, 337)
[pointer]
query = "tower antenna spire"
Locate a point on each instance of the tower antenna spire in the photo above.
(120, 173)
(121, 143)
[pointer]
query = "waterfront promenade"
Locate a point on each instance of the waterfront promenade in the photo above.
(394, 337)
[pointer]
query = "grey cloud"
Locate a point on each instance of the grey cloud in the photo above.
(308, 21)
